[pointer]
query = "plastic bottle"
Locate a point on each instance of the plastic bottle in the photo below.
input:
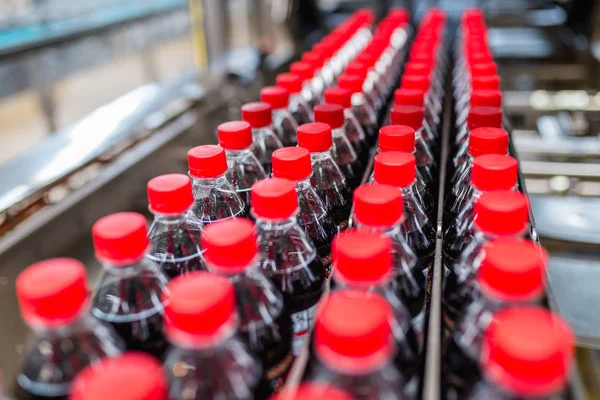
(511, 273)
(174, 242)
(215, 199)
(313, 391)
(501, 214)
(342, 151)
(398, 170)
(265, 141)
(288, 256)
(492, 172)
(354, 131)
(327, 179)
(379, 209)
(528, 353)
(243, 168)
(132, 376)
(232, 251)
(284, 124)
(432, 101)
(479, 98)
(363, 110)
(401, 138)
(356, 249)
(354, 346)
(412, 116)
(478, 117)
(128, 291)
(293, 163)
(54, 301)
(298, 106)
(206, 358)
(306, 72)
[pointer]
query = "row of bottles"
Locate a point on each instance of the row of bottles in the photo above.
(499, 342)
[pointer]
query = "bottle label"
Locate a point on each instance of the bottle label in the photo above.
(277, 374)
(327, 264)
(343, 225)
(301, 323)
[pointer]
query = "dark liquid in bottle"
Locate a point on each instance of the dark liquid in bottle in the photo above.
(270, 341)
(353, 171)
(339, 204)
(321, 232)
(22, 394)
(461, 372)
(370, 133)
(177, 251)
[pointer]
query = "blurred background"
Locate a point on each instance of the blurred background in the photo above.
(98, 96)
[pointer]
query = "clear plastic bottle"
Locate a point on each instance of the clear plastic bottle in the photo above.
(288, 256)
(232, 251)
(174, 242)
(284, 124)
(131, 376)
(306, 72)
(298, 106)
(342, 151)
(379, 209)
(206, 358)
(363, 110)
(401, 138)
(356, 249)
(528, 353)
(243, 168)
(313, 391)
(432, 102)
(260, 117)
(54, 301)
(511, 273)
(215, 199)
(480, 144)
(327, 179)
(479, 98)
(492, 172)
(399, 170)
(293, 163)
(501, 214)
(416, 97)
(355, 348)
(491, 82)
(412, 116)
(354, 131)
(128, 291)
(477, 117)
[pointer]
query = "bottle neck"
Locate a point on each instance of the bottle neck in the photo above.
(232, 154)
(339, 132)
(280, 224)
(170, 219)
(212, 181)
(304, 184)
(123, 268)
(321, 155)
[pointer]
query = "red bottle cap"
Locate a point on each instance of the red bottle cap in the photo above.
(378, 205)
(353, 331)
(421, 56)
(512, 270)
(121, 238)
(314, 58)
(396, 138)
(484, 116)
(409, 97)
(315, 137)
(352, 82)
(130, 376)
(194, 319)
(488, 82)
(52, 292)
(417, 68)
(312, 391)
(502, 213)
(488, 141)
(367, 58)
(257, 114)
(330, 114)
(420, 82)
(484, 69)
(235, 135)
(338, 95)
(355, 250)
(291, 82)
(230, 245)
(276, 96)
(357, 68)
(274, 199)
(207, 161)
(486, 98)
(528, 351)
(303, 69)
(494, 172)
(170, 194)
(407, 115)
(394, 168)
(479, 57)
(292, 163)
